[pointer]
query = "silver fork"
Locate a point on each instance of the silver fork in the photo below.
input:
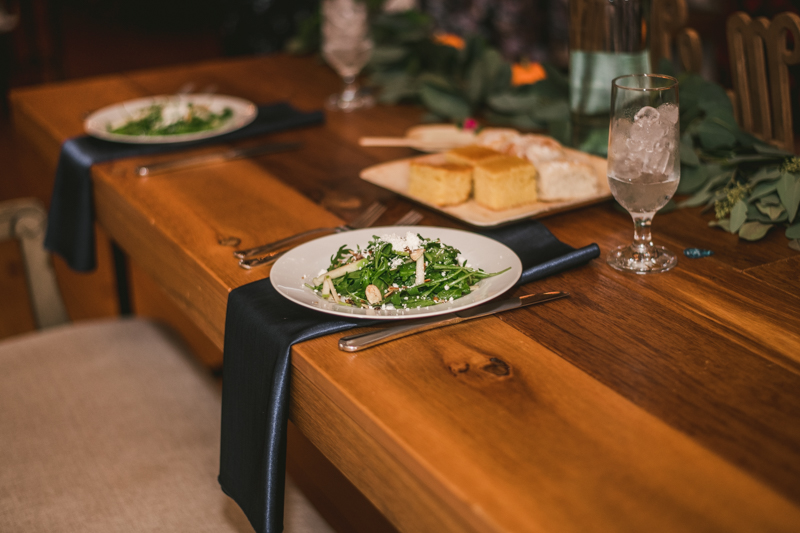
(411, 218)
(276, 249)
(366, 218)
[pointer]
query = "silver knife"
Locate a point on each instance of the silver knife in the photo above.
(224, 155)
(353, 343)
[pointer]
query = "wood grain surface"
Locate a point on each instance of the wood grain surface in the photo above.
(642, 403)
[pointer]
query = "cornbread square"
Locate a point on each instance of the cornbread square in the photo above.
(440, 183)
(505, 182)
(566, 180)
(471, 155)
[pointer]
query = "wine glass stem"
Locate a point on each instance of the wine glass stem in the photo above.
(350, 88)
(642, 239)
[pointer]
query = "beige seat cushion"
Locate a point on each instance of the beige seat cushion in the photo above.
(110, 427)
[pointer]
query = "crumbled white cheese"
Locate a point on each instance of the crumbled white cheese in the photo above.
(174, 112)
(396, 262)
(447, 287)
(395, 285)
(400, 244)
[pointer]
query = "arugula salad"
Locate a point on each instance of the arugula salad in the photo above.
(395, 272)
(172, 118)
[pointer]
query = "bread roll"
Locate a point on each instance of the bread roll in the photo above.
(536, 148)
(565, 180)
(497, 138)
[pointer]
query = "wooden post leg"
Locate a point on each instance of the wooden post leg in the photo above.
(123, 283)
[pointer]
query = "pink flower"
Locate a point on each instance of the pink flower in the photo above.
(469, 124)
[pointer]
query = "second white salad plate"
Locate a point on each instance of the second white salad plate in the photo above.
(99, 123)
(299, 266)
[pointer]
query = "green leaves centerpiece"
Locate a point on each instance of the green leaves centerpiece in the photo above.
(457, 78)
(752, 186)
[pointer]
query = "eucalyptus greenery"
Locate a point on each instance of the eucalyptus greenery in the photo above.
(751, 185)
(455, 83)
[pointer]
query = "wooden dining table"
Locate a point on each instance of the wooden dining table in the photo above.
(666, 402)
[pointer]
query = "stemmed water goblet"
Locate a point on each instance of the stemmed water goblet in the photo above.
(643, 163)
(346, 46)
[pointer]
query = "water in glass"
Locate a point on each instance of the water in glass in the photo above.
(643, 163)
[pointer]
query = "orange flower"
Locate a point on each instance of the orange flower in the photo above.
(526, 73)
(449, 39)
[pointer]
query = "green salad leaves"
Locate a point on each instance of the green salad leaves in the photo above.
(173, 119)
(398, 272)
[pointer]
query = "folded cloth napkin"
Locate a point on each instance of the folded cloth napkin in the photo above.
(70, 224)
(260, 328)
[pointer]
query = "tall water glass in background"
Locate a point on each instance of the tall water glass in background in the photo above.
(346, 46)
(643, 163)
(607, 39)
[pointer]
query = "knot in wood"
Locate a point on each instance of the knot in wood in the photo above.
(478, 368)
(459, 368)
(496, 366)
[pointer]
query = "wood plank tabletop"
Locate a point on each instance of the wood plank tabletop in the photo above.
(642, 403)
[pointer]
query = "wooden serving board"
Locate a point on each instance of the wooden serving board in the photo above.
(394, 176)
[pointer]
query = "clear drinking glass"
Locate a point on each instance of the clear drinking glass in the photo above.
(347, 47)
(643, 163)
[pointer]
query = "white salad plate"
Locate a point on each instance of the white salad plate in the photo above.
(300, 265)
(114, 116)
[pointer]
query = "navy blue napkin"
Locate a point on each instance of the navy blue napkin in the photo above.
(70, 224)
(260, 328)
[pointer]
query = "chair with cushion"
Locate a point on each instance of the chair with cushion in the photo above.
(109, 425)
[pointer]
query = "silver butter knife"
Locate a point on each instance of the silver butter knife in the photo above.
(214, 157)
(354, 343)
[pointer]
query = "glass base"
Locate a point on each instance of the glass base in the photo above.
(349, 101)
(632, 259)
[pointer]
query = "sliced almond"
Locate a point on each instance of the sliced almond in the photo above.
(373, 294)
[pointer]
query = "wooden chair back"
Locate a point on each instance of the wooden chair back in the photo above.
(759, 56)
(668, 28)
